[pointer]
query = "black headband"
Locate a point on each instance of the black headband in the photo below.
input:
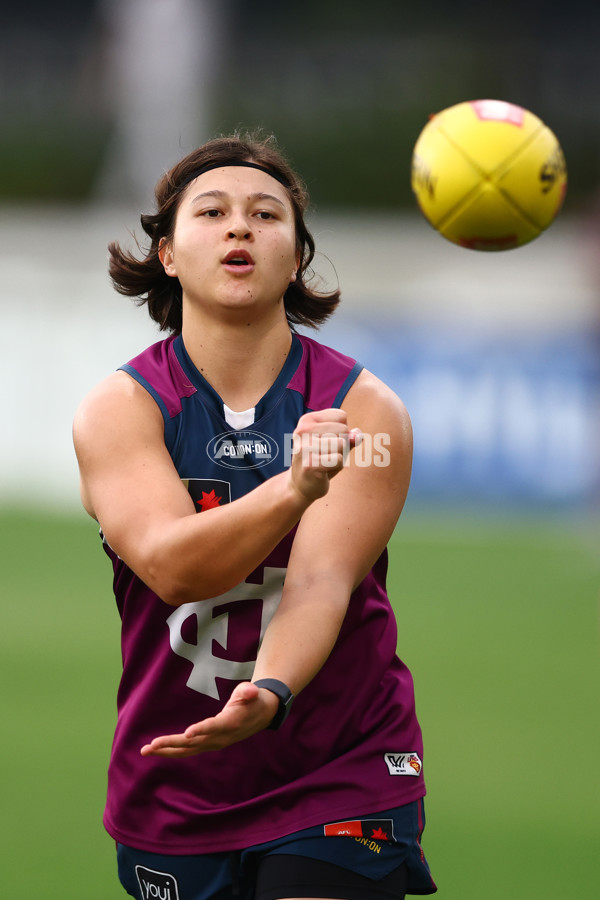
(223, 165)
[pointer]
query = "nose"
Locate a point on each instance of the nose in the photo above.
(238, 227)
(240, 234)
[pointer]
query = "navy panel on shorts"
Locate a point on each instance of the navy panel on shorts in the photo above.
(371, 846)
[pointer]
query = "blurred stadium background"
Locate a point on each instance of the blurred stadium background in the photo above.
(495, 565)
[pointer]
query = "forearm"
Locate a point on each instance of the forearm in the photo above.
(149, 518)
(303, 631)
(204, 555)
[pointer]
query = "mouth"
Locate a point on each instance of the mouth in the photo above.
(239, 260)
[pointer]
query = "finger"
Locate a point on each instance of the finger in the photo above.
(244, 692)
(322, 452)
(165, 741)
(207, 727)
(168, 740)
(327, 442)
(356, 437)
(171, 752)
(233, 715)
(187, 745)
(332, 462)
(322, 430)
(334, 414)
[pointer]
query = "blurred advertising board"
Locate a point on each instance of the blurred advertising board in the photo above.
(497, 418)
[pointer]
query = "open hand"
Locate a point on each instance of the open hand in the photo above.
(248, 710)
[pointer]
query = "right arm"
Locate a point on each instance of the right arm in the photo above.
(130, 485)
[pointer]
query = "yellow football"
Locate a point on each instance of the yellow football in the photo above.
(488, 175)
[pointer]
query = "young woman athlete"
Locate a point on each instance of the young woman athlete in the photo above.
(246, 480)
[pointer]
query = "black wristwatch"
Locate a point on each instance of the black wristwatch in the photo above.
(286, 697)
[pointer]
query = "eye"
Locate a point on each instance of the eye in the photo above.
(265, 215)
(211, 213)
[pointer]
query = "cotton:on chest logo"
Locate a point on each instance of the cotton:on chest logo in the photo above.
(242, 450)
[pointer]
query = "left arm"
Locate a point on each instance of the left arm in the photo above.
(338, 540)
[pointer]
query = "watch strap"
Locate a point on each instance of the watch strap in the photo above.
(285, 696)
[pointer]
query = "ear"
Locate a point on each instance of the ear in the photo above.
(297, 266)
(167, 257)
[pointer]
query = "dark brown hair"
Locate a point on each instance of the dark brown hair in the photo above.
(146, 278)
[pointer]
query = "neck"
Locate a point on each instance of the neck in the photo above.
(240, 360)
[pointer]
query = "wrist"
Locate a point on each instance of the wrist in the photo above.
(297, 496)
(284, 696)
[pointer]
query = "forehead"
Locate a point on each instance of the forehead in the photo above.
(238, 182)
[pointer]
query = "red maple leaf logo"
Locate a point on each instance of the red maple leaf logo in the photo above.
(209, 500)
(379, 834)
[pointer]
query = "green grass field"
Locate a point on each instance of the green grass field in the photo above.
(499, 623)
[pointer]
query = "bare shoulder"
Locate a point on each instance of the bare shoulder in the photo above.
(116, 402)
(370, 403)
(117, 428)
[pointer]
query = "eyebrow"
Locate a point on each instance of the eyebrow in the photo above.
(259, 195)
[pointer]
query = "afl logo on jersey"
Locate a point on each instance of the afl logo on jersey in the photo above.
(242, 450)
